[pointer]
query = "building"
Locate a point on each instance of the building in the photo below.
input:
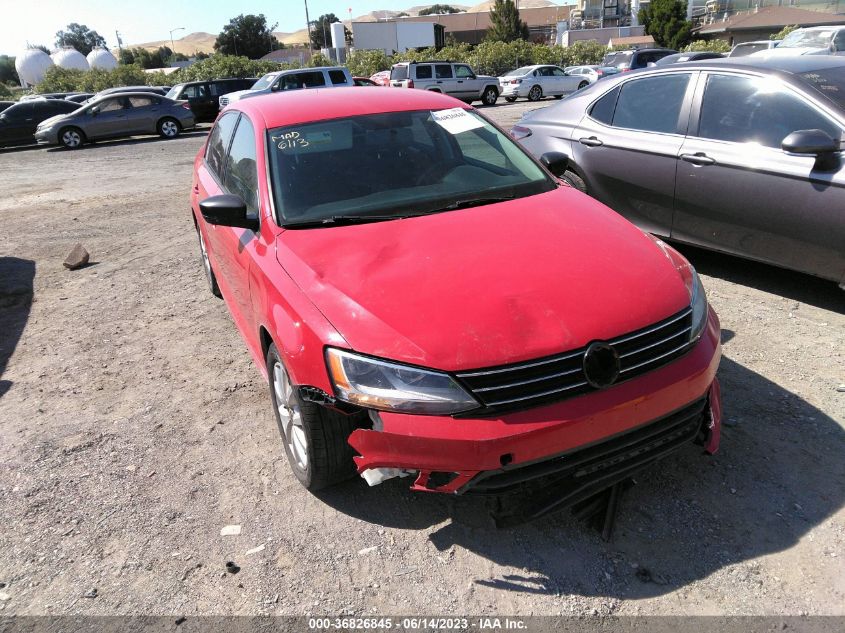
(397, 36)
(619, 35)
(760, 24)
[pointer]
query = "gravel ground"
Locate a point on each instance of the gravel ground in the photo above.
(134, 427)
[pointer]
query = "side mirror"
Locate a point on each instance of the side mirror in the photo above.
(555, 162)
(809, 142)
(227, 210)
(95, 110)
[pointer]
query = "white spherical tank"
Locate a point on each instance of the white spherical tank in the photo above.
(31, 65)
(70, 58)
(101, 58)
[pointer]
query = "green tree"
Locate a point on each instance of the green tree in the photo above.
(246, 35)
(715, 46)
(200, 55)
(8, 74)
(505, 23)
(321, 34)
(438, 8)
(666, 21)
(80, 37)
(363, 63)
(783, 32)
(41, 47)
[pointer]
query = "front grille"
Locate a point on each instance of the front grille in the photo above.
(554, 378)
(594, 468)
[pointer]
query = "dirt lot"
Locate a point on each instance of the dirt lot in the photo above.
(133, 427)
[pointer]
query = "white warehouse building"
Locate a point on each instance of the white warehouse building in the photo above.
(396, 37)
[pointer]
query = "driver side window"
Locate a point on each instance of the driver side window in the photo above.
(112, 104)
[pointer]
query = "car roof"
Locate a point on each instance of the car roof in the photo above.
(791, 64)
(822, 28)
(317, 104)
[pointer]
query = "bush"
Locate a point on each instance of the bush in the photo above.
(225, 67)
(367, 63)
(716, 46)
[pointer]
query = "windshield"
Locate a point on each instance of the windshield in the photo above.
(171, 94)
(809, 39)
(621, 58)
(264, 82)
(830, 82)
(519, 72)
(394, 164)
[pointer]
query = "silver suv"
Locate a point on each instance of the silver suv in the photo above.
(455, 80)
(324, 77)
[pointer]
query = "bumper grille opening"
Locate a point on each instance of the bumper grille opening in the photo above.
(554, 378)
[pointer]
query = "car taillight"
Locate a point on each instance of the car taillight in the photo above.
(410, 83)
(518, 132)
(186, 105)
(516, 81)
(599, 72)
(624, 70)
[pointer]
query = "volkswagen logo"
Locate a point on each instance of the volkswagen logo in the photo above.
(601, 365)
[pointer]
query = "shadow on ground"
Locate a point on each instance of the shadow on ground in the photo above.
(16, 278)
(778, 474)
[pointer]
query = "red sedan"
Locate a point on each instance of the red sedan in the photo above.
(427, 300)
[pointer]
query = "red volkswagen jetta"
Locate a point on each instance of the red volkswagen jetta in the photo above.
(425, 299)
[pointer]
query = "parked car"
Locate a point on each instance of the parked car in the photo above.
(6, 104)
(536, 82)
(814, 40)
(379, 366)
(112, 116)
(741, 156)
(591, 73)
(382, 78)
(456, 80)
(49, 95)
(285, 80)
(19, 121)
(680, 58)
(156, 90)
(80, 97)
(636, 58)
(363, 81)
(747, 48)
(203, 96)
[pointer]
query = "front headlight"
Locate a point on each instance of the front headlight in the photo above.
(378, 384)
(698, 302)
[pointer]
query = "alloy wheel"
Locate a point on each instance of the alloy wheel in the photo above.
(169, 129)
(206, 264)
(535, 93)
(290, 416)
(71, 138)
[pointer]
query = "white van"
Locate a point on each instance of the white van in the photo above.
(281, 80)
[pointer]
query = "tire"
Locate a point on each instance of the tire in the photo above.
(558, 96)
(583, 85)
(169, 128)
(489, 96)
(318, 451)
(510, 99)
(206, 265)
(575, 180)
(535, 94)
(71, 137)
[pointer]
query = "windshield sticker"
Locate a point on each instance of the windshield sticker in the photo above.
(290, 140)
(456, 120)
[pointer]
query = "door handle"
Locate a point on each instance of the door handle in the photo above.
(592, 141)
(699, 158)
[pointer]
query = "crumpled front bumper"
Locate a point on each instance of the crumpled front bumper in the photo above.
(449, 453)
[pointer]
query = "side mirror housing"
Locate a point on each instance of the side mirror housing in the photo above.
(810, 142)
(227, 210)
(95, 110)
(555, 162)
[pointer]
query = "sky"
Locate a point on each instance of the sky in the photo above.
(37, 21)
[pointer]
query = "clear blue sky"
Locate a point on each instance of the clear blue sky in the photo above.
(36, 21)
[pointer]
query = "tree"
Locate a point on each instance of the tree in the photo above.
(438, 8)
(247, 36)
(666, 21)
(200, 55)
(41, 47)
(80, 37)
(8, 74)
(505, 23)
(783, 32)
(714, 46)
(321, 36)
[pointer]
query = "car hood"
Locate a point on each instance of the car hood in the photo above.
(239, 94)
(487, 285)
(54, 119)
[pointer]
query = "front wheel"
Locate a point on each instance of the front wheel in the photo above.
(169, 128)
(71, 137)
(583, 85)
(206, 266)
(574, 180)
(489, 96)
(535, 94)
(314, 437)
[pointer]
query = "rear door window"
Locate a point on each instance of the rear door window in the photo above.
(652, 104)
(424, 72)
(196, 92)
(338, 77)
(443, 71)
(218, 143)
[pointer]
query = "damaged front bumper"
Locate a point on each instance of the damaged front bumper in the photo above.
(616, 431)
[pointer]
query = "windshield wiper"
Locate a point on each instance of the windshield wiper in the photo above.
(340, 220)
(471, 202)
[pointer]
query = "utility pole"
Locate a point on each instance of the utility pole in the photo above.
(119, 43)
(308, 25)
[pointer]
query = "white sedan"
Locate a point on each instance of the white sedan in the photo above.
(536, 82)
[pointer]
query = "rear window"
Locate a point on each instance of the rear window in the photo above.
(399, 72)
(741, 50)
(830, 82)
(618, 59)
(338, 77)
